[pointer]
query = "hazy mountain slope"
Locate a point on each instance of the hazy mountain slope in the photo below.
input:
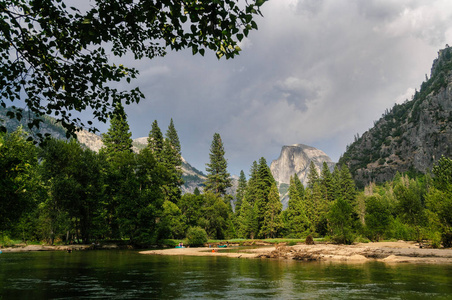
(411, 136)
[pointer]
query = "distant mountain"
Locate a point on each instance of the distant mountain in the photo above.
(193, 178)
(411, 136)
(296, 159)
(48, 126)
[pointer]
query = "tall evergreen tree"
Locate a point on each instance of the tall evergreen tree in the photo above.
(327, 183)
(299, 186)
(265, 181)
(247, 220)
(173, 137)
(119, 168)
(297, 222)
(313, 175)
(118, 137)
(172, 160)
(240, 193)
(347, 189)
(313, 201)
(272, 222)
(155, 141)
(217, 175)
(252, 188)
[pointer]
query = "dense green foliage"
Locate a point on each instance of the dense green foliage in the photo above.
(64, 192)
(196, 236)
(56, 59)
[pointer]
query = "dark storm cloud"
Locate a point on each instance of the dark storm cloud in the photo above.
(316, 72)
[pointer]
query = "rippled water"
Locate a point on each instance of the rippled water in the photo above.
(129, 275)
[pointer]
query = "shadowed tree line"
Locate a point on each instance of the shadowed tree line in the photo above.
(64, 192)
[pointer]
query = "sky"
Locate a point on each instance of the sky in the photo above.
(317, 72)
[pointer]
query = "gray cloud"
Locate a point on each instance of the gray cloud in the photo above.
(316, 72)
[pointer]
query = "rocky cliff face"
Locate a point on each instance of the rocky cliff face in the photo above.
(90, 140)
(411, 136)
(295, 159)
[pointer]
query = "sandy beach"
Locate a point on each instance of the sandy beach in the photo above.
(388, 252)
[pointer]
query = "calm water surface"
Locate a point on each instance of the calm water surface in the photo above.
(129, 275)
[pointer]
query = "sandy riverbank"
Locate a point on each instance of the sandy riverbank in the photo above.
(389, 252)
(28, 248)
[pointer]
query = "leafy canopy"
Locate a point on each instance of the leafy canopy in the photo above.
(55, 58)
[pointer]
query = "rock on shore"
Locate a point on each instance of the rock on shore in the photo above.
(388, 252)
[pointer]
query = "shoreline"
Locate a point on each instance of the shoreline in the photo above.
(68, 248)
(387, 252)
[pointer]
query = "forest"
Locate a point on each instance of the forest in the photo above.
(62, 192)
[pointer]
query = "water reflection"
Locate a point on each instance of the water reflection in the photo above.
(129, 275)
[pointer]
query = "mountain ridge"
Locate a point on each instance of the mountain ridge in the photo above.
(410, 137)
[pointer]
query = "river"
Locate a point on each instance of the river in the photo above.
(111, 274)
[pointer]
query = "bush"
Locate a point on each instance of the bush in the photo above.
(345, 236)
(196, 236)
(401, 231)
(169, 243)
(436, 240)
(309, 240)
(446, 238)
(5, 241)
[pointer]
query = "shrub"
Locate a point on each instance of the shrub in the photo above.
(309, 240)
(5, 241)
(196, 236)
(436, 240)
(446, 239)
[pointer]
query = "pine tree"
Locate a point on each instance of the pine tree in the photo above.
(347, 189)
(293, 193)
(252, 188)
(241, 189)
(327, 183)
(120, 167)
(247, 220)
(313, 200)
(155, 141)
(265, 181)
(299, 186)
(118, 137)
(172, 160)
(297, 222)
(272, 222)
(173, 137)
(217, 175)
(313, 175)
